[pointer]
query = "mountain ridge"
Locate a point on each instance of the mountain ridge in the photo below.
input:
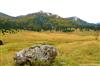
(31, 14)
(42, 21)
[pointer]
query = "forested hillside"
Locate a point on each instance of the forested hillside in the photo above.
(42, 21)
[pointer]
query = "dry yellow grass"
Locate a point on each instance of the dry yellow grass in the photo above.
(47, 36)
(74, 48)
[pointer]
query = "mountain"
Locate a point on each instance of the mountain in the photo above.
(81, 22)
(73, 20)
(78, 21)
(42, 21)
(2, 15)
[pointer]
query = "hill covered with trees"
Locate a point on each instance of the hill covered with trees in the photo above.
(42, 21)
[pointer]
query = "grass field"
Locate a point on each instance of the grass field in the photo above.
(74, 49)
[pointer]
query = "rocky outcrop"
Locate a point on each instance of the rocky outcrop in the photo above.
(35, 54)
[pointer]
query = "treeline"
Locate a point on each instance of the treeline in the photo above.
(42, 21)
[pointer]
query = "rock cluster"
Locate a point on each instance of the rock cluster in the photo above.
(35, 54)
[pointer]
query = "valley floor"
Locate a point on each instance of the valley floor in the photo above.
(75, 49)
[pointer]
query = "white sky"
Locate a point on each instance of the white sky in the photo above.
(88, 10)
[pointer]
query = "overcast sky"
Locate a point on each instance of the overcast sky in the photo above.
(88, 10)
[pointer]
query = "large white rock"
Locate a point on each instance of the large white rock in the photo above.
(35, 54)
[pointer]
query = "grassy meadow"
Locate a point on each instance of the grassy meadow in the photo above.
(74, 49)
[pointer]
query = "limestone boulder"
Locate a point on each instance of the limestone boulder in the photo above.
(36, 54)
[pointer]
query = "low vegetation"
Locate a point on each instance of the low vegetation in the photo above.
(74, 48)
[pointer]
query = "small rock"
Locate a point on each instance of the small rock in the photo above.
(1, 42)
(62, 63)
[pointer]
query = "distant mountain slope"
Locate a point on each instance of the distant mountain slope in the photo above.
(81, 22)
(41, 21)
(78, 21)
(2, 15)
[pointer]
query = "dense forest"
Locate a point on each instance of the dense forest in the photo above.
(42, 21)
